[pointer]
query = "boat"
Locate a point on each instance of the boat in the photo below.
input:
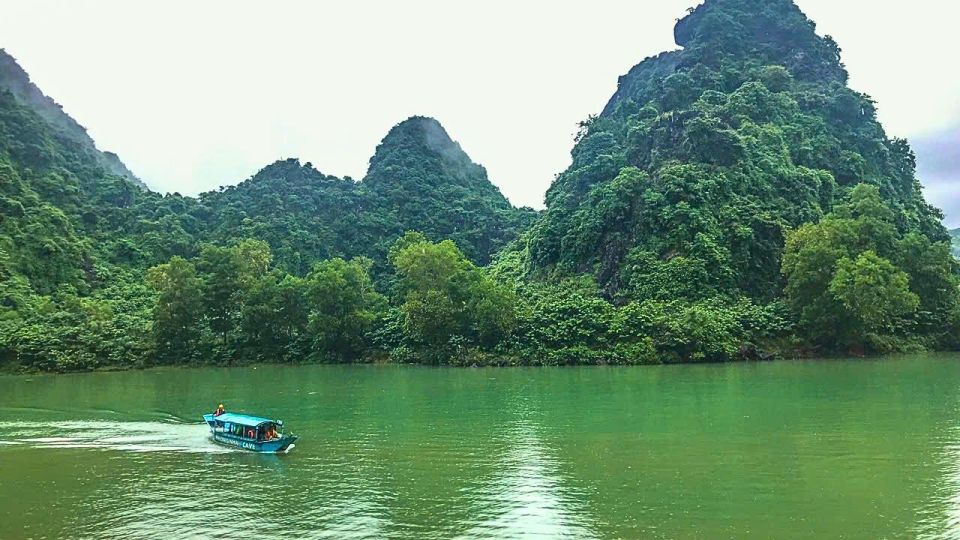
(249, 432)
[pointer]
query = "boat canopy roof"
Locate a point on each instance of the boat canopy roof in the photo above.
(245, 419)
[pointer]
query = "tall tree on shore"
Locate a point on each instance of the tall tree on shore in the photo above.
(177, 316)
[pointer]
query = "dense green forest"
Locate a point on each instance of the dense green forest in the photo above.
(742, 170)
(418, 179)
(733, 200)
(955, 234)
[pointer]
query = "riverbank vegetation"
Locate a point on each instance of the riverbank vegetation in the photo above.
(734, 200)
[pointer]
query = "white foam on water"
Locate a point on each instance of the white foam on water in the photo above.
(110, 435)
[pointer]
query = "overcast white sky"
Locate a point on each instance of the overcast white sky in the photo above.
(194, 95)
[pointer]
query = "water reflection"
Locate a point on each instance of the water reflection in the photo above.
(943, 519)
(351, 504)
(953, 504)
(528, 497)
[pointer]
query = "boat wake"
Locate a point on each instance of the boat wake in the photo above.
(105, 435)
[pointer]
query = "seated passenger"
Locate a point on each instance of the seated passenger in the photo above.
(219, 410)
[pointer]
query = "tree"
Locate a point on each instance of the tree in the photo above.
(274, 318)
(179, 309)
(342, 307)
(933, 278)
(228, 273)
(874, 293)
(856, 283)
(448, 303)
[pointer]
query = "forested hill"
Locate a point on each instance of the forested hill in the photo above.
(79, 244)
(304, 215)
(419, 179)
(706, 174)
(16, 81)
(733, 200)
(955, 235)
(95, 271)
(422, 180)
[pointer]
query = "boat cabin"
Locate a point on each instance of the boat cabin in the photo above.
(243, 426)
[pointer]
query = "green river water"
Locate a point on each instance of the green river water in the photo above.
(829, 449)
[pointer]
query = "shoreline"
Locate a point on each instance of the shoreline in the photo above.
(9, 370)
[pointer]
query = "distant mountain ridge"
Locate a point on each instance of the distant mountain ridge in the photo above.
(419, 179)
(14, 79)
(78, 242)
(423, 180)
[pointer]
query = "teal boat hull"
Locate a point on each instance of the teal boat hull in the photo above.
(280, 445)
(276, 446)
